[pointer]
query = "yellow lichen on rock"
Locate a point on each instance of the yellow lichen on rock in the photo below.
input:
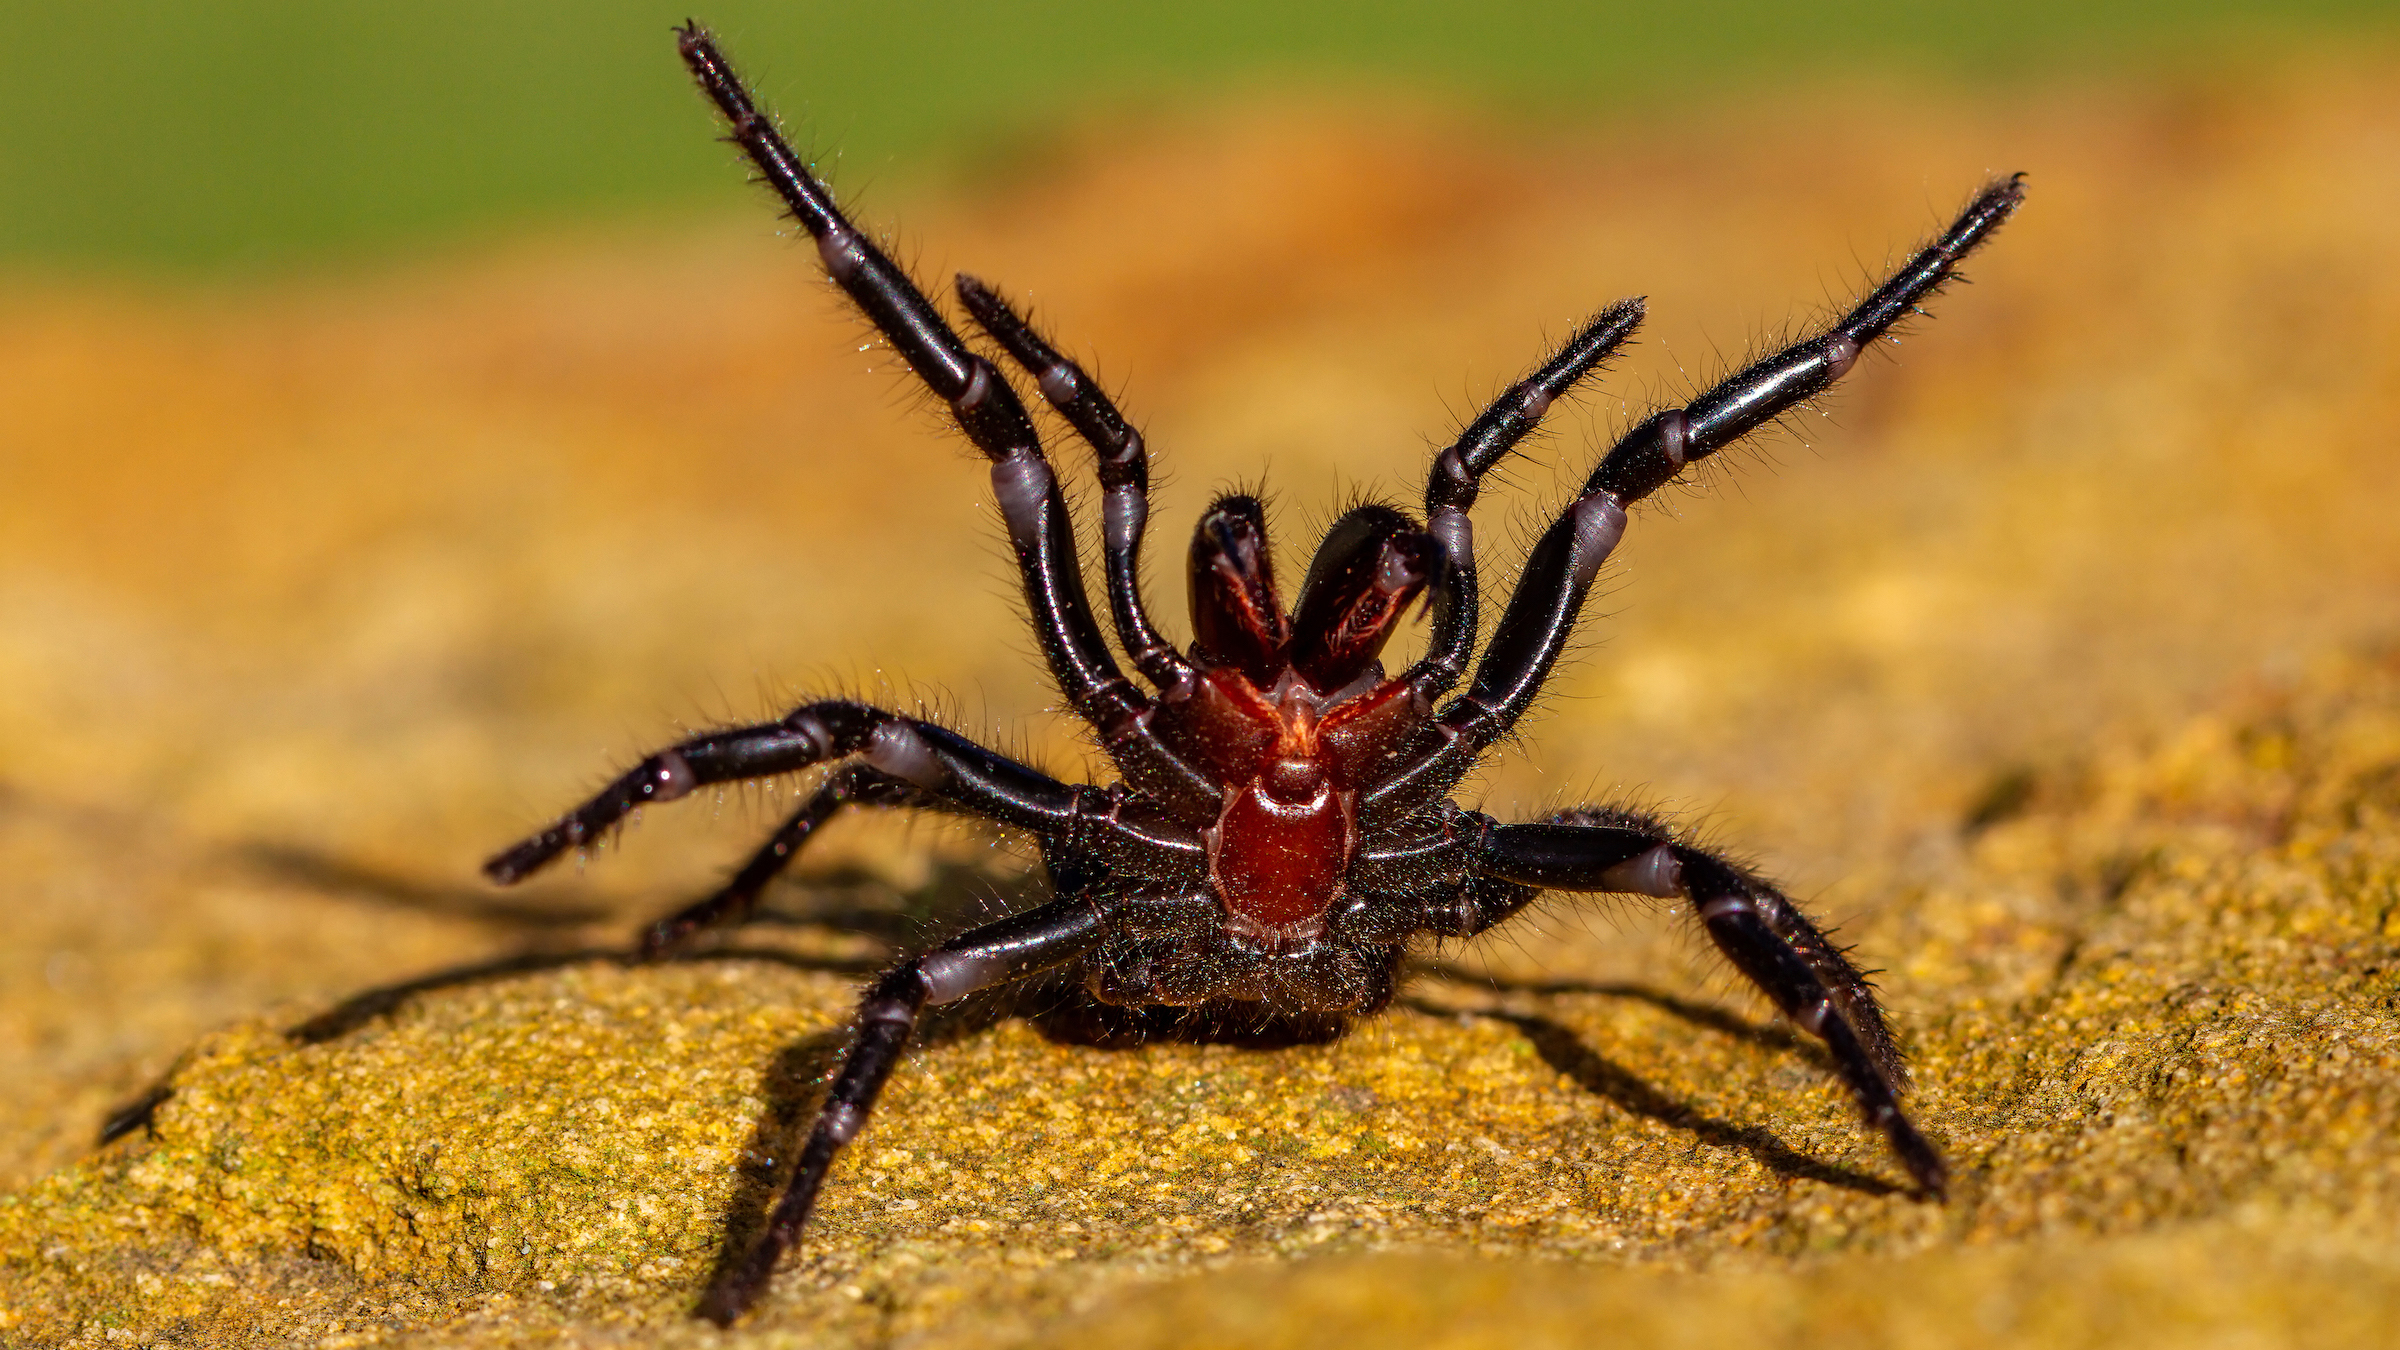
(578, 1129)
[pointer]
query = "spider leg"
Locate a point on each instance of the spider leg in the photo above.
(994, 954)
(1124, 463)
(850, 785)
(938, 762)
(1756, 926)
(990, 414)
(1457, 477)
(1558, 573)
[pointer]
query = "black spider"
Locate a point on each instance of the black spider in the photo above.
(1283, 835)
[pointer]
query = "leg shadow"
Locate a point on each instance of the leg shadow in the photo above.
(859, 901)
(368, 1005)
(841, 903)
(1562, 1050)
(794, 1087)
(137, 1114)
(331, 875)
(1766, 1035)
(349, 1015)
(1066, 1014)
(382, 1001)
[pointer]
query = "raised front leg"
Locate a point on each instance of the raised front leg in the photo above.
(1541, 613)
(988, 411)
(994, 954)
(1657, 451)
(1457, 479)
(1124, 463)
(1756, 926)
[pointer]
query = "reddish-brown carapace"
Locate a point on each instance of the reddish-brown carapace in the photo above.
(1292, 717)
(1281, 836)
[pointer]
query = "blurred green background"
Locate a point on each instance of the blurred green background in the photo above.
(241, 135)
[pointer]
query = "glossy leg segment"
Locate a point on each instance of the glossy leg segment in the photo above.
(1124, 464)
(995, 954)
(850, 785)
(990, 414)
(1655, 452)
(1757, 927)
(1550, 592)
(935, 761)
(1524, 646)
(1457, 478)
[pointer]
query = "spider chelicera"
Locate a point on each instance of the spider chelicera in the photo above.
(1283, 834)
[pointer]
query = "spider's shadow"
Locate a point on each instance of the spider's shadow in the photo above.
(537, 923)
(794, 1081)
(1563, 1050)
(1062, 1012)
(380, 1001)
(1059, 1010)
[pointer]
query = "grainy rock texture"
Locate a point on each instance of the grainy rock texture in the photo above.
(2066, 675)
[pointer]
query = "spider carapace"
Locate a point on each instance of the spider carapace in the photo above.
(1282, 835)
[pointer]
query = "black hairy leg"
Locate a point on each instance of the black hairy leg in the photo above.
(1760, 931)
(1558, 574)
(991, 415)
(933, 762)
(1457, 479)
(854, 784)
(1123, 460)
(995, 954)
(1280, 837)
